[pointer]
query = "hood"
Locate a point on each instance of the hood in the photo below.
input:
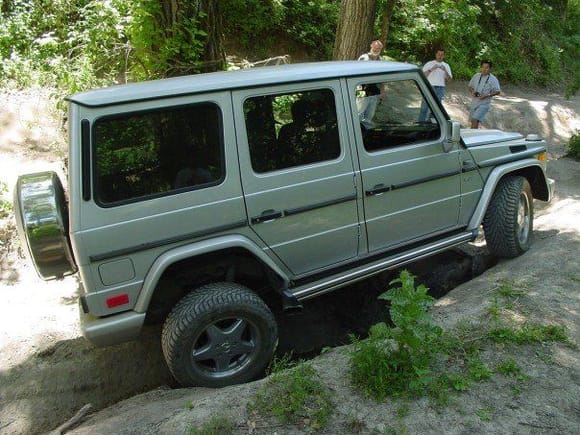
(474, 137)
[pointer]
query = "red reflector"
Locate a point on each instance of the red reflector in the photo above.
(115, 301)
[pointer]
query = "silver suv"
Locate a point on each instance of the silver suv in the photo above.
(208, 202)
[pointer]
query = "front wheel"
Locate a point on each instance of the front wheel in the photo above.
(508, 221)
(219, 334)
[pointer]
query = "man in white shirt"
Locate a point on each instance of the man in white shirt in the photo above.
(438, 73)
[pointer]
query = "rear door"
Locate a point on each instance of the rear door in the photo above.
(411, 186)
(297, 174)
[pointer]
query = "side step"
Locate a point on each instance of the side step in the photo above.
(342, 279)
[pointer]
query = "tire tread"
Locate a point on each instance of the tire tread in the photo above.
(211, 297)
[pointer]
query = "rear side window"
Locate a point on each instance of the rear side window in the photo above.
(147, 154)
(293, 129)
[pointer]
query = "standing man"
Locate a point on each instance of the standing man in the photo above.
(437, 73)
(367, 105)
(483, 87)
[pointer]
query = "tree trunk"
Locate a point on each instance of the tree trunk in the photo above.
(355, 29)
(386, 20)
(213, 54)
(174, 21)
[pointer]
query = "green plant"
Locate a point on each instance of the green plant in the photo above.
(403, 410)
(574, 145)
(5, 205)
(477, 370)
(509, 290)
(510, 368)
(528, 334)
(294, 395)
(484, 414)
(397, 361)
(458, 382)
(218, 425)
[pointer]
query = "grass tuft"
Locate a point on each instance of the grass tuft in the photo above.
(294, 395)
(218, 425)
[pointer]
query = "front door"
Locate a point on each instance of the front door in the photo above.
(411, 185)
(297, 174)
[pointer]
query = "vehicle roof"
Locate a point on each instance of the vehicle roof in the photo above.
(224, 80)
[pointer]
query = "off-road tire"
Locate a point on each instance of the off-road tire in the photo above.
(228, 324)
(509, 218)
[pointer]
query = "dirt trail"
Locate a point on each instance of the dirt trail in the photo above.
(48, 372)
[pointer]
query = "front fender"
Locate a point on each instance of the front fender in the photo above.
(203, 247)
(529, 168)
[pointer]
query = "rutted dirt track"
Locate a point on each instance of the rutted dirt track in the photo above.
(48, 372)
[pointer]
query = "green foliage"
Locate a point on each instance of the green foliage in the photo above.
(165, 48)
(266, 27)
(528, 334)
(80, 44)
(530, 42)
(510, 368)
(5, 205)
(294, 395)
(312, 24)
(74, 45)
(416, 358)
(574, 146)
(218, 425)
(397, 361)
(477, 370)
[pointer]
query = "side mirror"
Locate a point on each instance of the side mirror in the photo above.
(453, 135)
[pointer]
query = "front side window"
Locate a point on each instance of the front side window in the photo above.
(394, 113)
(152, 153)
(293, 129)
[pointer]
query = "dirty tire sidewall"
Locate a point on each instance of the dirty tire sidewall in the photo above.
(505, 237)
(204, 307)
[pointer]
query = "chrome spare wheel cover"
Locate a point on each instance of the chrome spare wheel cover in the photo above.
(42, 222)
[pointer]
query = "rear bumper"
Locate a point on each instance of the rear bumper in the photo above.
(106, 331)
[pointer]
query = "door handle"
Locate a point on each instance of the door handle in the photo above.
(378, 189)
(266, 215)
(468, 165)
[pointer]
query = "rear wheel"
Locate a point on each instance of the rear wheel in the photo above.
(508, 222)
(219, 334)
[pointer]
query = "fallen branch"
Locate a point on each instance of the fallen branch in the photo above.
(7, 424)
(77, 418)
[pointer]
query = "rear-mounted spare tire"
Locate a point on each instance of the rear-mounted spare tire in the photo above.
(42, 222)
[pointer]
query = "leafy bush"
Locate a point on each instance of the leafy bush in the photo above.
(397, 361)
(574, 145)
(5, 205)
(416, 358)
(262, 27)
(74, 45)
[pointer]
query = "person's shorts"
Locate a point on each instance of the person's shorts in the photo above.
(479, 112)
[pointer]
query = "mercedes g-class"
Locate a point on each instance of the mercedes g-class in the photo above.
(207, 202)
